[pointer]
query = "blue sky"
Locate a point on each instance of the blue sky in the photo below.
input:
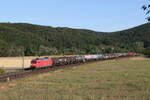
(98, 15)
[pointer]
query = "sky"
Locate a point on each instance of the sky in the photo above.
(97, 15)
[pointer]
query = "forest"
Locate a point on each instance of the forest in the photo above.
(23, 39)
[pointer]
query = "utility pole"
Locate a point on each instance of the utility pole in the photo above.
(22, 58)
(39, 51)
(63, 42)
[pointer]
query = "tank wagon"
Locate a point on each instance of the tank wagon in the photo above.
(63, 61)
(60, 61)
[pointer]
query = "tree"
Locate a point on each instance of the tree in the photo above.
(146, 8)
(147, 52)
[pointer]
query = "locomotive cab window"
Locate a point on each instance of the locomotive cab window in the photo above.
(33, 62)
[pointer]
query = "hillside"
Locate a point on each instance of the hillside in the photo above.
(136, 34)
(133, 39)
(18, 39)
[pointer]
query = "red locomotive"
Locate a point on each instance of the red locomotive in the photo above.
(41, 62)
(132, 54)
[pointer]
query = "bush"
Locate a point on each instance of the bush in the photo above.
(147, 52)
(2, 71)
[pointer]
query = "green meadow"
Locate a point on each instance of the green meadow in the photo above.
(121, 79)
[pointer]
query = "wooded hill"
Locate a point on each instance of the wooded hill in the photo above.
(17, 39)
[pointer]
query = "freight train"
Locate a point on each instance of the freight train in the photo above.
(68, 60)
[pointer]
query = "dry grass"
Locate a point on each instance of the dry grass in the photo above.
(124, 79)
(137, 58)
(14, 62)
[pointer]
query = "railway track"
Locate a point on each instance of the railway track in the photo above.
(24, 73)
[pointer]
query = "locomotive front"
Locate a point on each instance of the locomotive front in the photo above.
(41, 62)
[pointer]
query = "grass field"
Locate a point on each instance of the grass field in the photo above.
(125, 79)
